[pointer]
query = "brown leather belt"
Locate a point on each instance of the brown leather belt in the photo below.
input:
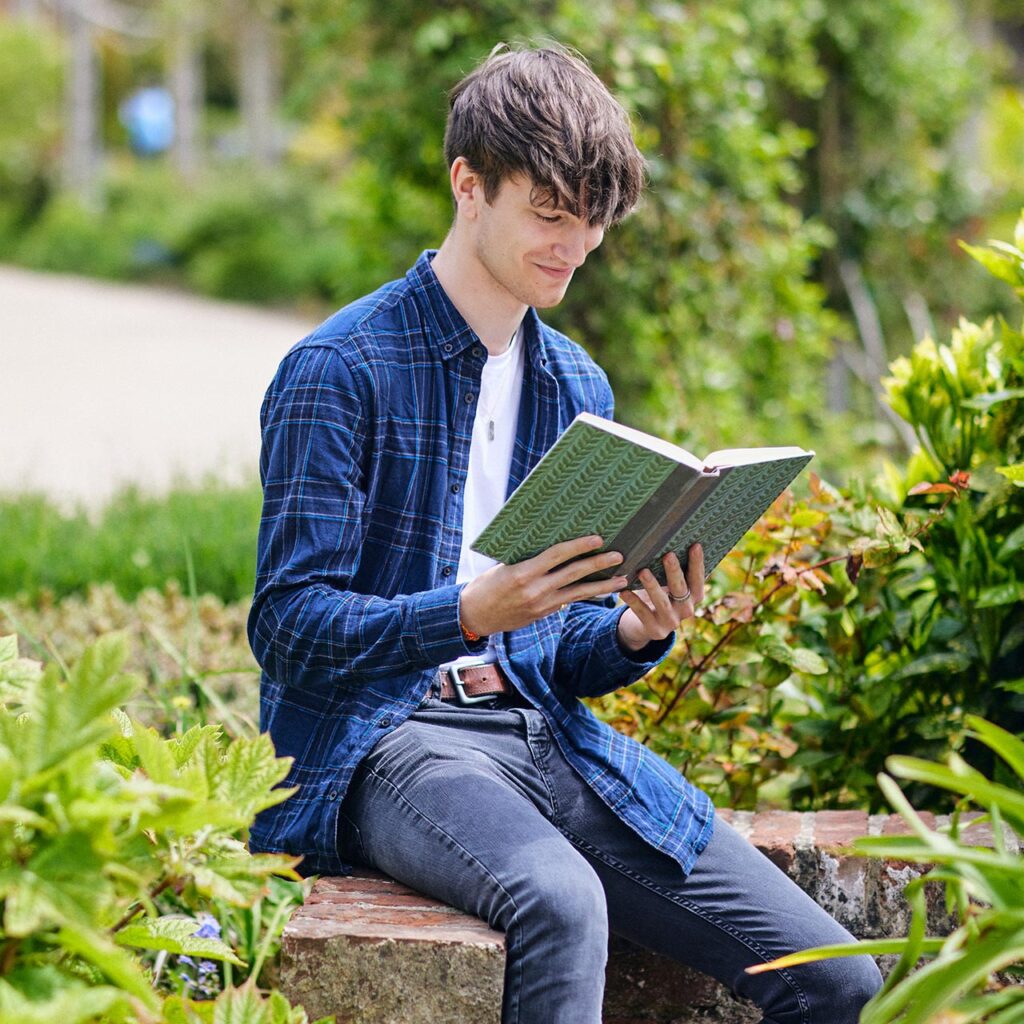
(474, 683)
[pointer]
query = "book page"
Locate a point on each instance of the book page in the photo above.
(752, 456)
(648, 441)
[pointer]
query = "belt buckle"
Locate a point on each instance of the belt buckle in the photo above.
(460, 687)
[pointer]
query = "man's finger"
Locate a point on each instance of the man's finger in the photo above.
(674, 577)
(588, 591)
(695, 572)
(559, 553)
(583, 567)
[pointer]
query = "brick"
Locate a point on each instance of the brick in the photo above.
(774, 833)
(896, 826)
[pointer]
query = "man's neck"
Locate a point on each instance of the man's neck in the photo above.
(489, 309)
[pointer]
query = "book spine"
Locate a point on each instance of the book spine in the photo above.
(646, 534)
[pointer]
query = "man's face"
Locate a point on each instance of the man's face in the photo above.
(530, 251)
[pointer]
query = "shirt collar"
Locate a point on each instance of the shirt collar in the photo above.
(448, 331)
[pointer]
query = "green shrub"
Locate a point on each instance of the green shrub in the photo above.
(70, 236)
(803, 674)
(101, 818)
(939, 632)
(31, 72)
(983, 887)
(247, 237)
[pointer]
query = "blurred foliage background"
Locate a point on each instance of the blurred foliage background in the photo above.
(813, 167)
(812, 164)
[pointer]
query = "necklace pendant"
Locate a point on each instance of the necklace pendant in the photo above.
(490, 430)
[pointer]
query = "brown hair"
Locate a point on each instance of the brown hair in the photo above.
(544, 114)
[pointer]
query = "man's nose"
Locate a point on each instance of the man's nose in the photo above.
(579, 243)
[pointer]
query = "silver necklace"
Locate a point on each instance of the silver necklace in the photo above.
(498, 387)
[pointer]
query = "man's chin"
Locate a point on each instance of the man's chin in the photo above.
(549, 297)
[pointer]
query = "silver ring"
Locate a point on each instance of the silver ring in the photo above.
(679, 599)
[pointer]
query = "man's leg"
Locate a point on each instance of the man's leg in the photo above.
(452, 804)
(734, 909)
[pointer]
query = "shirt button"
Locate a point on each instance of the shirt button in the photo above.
(384, 722)
(456, 488)
(448, 347)
(478, 351)
(469, 398)
(446, 571)
(333, 795)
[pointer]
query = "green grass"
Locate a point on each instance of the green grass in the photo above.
(137, 541)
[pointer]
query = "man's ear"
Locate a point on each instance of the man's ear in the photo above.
(467, 188)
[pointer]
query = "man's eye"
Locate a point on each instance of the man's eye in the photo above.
(548, 220)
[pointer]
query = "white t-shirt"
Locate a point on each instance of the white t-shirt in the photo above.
(490, 460)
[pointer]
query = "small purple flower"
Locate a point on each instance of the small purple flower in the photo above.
(209, 927)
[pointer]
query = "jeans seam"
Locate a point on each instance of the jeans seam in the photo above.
(693, 908)
(516, 939)
(555, 813)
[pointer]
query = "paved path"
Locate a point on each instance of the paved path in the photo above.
(103, 384)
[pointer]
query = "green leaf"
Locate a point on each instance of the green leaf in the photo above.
(1011, 592)
(1015, 473)
(986, 401)
(8, 647)
(117, 964)
(1009, 747)
(870, 947)
(970, 784)
(64, 718)
(1014, 542)
(176, 935)
(62, 883)
(951, 975)
(809, 662)
(249, 771)
(232, 874)
(241, 1006)
(944, 662)
(998, 264)
(43, 995)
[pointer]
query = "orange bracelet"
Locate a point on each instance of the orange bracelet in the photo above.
(468, 635)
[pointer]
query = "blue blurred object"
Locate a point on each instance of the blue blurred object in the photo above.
(148, 115)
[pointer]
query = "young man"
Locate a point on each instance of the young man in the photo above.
(430, 697)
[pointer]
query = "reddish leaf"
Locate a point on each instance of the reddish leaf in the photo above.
(926, 488)
(853, 566)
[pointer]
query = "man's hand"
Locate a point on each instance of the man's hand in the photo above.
(655, 611)
(512, 596)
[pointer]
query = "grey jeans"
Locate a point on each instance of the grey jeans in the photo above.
(476, 806)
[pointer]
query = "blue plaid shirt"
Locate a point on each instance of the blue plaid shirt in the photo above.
(366, 434)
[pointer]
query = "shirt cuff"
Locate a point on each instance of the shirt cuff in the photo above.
(637, 662)
(436, 622)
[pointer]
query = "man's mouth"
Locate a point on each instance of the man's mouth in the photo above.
(557, 273)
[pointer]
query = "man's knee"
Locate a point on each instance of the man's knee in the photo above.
(838, 989)
(567, 900)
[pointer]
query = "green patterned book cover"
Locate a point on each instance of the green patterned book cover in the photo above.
(643, 495)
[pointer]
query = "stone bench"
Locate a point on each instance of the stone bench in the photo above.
(372, 951)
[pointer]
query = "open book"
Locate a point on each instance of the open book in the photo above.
(643, 495)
